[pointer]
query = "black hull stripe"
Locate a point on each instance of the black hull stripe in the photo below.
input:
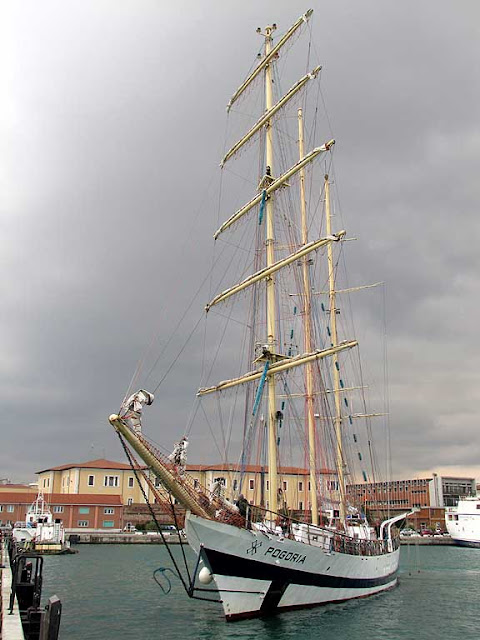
(228, 565)
(273, 596)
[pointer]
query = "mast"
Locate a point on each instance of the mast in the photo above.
(335, 369)
(274, 362)
(270, 306)
(308, 334)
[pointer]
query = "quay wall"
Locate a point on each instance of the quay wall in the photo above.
(425, 540)
(10, 624)
(123, 538)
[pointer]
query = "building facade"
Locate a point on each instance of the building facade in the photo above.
(253, 483)
(95, 477)
(446, 491)
(78, 492)
(77, 512)
(396, 495)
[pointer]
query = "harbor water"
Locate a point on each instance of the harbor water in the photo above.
(108, 593)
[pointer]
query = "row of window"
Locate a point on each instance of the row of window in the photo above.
(111, 481)
(59, 509)
(251, 484)
(390, 502)
(108, 481)
(394, 484)
(81, 523)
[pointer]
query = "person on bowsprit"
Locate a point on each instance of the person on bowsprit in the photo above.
(131, 409)
(179, 455)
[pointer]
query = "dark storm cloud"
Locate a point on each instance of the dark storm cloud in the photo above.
(111, 126)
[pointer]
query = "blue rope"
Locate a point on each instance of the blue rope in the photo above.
(258, 397)
(162, 571)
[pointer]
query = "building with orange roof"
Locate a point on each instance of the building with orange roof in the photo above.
(101, 476)
(78, 512)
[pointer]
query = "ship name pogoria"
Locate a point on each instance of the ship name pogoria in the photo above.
(281, 554)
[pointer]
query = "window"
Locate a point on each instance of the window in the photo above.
(235, 484)
(251, 484)
(300, 505)
(84, 510)
(130, 481)
(221, 481)
(284, 485)
(109, 510)
(300, 487)
(268, 485)
(108, 523)
(10, 508)
(91, 481)
(195, 483)
(157, 482)
(57, 509)
(83, 523)
(1, 508)
(129, 501)
(110, 481)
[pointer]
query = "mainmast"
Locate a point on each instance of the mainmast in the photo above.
(307, 293)
(335, 368)
(270, 283)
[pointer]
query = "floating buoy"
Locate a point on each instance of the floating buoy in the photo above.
(205, 576)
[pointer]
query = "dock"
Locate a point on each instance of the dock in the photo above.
(10, 623)
(21, 613)
(124, 538)
(427, 540)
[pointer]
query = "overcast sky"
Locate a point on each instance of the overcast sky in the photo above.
(112, 120)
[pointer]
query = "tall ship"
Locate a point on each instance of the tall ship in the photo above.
(463, 522)
(291, 391)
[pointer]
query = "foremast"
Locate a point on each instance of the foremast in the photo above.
(270, 284)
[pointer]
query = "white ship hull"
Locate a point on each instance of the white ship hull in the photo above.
(463, 522)
(258, 574)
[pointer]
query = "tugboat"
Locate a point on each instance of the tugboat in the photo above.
(39, 532)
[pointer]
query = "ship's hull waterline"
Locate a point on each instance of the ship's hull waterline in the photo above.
(459, 542)
(258, 574)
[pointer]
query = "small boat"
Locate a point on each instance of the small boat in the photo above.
(267, 555)
(40, 532)
(463, 522)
